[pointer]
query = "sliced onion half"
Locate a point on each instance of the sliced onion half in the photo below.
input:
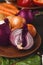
(16, 39)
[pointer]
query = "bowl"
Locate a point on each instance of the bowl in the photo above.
(38, 3)
(12, 52)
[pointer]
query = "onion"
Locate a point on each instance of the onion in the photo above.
(4, 33)
(32, 29)
(16, 39)
(16, 22)
(27, 14)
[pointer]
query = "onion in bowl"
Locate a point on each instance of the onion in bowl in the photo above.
(17, 39)
(16, 22)
(27, 14)
(32, 29)
(4, 33)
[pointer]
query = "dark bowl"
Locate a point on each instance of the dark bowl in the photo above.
(38, 3)
(12, 52)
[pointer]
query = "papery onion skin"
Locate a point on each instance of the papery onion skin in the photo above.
(16, 40)
(16, 22)
(32, 29)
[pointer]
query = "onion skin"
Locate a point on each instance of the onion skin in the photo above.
(4, 34)
(16, 40)
(32, 29)
(16, 22)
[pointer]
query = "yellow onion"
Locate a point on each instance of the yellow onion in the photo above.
(16, 22)
(32, 29)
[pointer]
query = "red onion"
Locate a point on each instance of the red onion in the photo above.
(16, 39)
(4, 33)
(27, 14)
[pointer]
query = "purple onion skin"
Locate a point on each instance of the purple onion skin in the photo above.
(27, 14)
(24, 33)
(4, 34)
